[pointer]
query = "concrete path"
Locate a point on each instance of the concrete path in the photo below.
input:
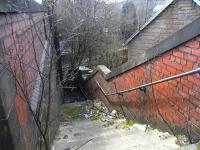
(85, 134)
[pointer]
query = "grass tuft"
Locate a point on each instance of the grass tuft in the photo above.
(74, 112)
(129, 123)
(198, 145)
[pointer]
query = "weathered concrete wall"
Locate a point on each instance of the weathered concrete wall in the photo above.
(23, 46)
(174, 102)
(177, 15)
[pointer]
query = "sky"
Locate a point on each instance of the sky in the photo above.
(40, 1)
(114, 0)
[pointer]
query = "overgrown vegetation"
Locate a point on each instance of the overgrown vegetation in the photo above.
(198, 145)
(129, 123)
(93, 31)
(74, 112)
(90, 31)
(129, 20)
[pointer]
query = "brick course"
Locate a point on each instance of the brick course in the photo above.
(21, 46)
(178, 100)
(177, 15)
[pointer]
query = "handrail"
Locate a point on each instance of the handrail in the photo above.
(150, 84)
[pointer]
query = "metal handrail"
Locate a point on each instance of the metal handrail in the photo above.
(150, 84)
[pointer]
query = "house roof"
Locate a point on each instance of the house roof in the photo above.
(197, 1)
(167, 4)
(20, 6)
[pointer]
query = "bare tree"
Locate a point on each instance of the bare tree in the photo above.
(129, 23)
(90, 30)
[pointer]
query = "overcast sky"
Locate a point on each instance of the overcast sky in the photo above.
(114, 0)
(40, 1)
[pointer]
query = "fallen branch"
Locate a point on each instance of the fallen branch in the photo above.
(84, 144)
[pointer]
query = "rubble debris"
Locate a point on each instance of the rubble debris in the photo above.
(85, 72)
(139, 127)
(114, 113)
(96, 123)
(65, 137)
(96, 110)
(164, 136)
(182, 140)
(98, 105)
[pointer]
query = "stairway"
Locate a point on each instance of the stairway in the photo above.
(84, 134)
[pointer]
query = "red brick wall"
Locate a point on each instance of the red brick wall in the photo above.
(21, 44)
(178, 101)
(18, 49)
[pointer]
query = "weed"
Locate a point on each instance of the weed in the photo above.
(117, 126)
(198, 145)
(129, 123)
(74, 112)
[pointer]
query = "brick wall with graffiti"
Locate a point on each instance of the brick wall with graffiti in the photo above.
(24, 51)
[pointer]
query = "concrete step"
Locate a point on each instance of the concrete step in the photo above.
(116, 139)
(94, 135)
(98, 135)
(189, 147)
(121, 142)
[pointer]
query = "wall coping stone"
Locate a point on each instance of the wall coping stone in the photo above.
(103, 70)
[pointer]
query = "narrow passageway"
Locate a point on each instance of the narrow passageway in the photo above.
(90, 126)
